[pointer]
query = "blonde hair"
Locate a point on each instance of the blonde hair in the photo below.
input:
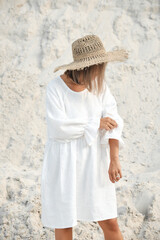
(92, 77)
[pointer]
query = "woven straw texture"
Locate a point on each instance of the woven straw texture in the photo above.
(89, 50)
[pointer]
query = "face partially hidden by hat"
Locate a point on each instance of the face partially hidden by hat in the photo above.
(91, 77)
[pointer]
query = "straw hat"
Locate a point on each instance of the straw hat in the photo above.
(89, 50)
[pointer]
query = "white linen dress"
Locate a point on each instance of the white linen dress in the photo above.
(75, 184)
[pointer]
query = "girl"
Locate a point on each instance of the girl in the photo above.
(84, 132)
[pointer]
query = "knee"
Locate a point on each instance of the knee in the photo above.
(63, 233)
(109, 224)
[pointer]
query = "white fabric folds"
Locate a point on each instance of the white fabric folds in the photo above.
(64, 129)
(75, 183)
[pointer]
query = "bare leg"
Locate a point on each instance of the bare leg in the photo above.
(111, 229)
(63, 233)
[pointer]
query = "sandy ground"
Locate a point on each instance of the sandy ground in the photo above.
(34, 34)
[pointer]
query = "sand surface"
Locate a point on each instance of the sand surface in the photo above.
(35, 36)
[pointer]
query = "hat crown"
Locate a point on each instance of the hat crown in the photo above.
(87, 46)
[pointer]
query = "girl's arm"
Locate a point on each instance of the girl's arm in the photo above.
(112, 137)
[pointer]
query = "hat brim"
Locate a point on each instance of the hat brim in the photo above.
(116, 55)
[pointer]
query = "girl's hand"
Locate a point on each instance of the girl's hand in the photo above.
(107, 123)
(115, 170)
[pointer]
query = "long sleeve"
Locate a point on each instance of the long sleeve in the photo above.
(109, 109)
(64, 129)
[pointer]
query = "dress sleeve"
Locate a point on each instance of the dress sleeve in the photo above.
(64, 129)
(109, 109)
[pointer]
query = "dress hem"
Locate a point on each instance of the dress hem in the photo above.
(80, 219)
(96, 219)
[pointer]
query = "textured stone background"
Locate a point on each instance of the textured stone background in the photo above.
(35, 36)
